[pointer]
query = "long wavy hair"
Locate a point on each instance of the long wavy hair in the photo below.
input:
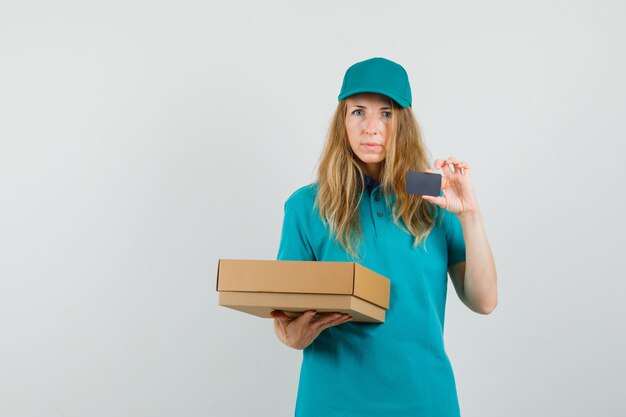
(341, 181)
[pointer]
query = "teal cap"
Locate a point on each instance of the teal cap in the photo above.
(377, 75)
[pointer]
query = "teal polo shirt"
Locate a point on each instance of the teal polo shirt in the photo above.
(397, 368)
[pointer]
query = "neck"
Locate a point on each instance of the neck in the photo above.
(373, 170)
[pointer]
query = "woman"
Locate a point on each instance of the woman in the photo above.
(358, 211)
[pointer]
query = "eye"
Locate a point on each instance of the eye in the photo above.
(358, 112)
(387, 114)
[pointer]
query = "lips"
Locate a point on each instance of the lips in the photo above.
(372, 146)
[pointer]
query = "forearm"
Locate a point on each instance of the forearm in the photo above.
(479, 283)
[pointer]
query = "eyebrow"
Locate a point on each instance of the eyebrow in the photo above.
(364, 107)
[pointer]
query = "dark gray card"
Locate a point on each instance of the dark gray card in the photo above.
(423, 183)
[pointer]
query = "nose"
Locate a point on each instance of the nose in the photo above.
(371, 125)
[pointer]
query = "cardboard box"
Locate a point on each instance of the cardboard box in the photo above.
(258, 287)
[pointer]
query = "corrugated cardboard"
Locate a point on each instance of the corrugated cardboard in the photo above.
(258, 287)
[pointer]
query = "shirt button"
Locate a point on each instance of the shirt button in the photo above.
(379, 214)
(377, 197)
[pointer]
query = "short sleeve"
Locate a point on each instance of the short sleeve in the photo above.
(294, 244)
(454, 239)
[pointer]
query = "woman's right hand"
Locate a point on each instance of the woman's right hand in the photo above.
(300, 332)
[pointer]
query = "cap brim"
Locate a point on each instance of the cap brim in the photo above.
(400, 100)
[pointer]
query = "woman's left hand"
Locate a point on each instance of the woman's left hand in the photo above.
(458, 194)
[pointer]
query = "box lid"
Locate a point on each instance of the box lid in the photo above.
(303, 277)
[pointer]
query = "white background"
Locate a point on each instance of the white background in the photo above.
(141, 141)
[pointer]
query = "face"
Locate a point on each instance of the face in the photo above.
(368, 120)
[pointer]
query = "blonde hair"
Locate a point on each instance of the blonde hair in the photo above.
(341, 182)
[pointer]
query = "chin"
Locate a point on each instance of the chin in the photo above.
(371, 159)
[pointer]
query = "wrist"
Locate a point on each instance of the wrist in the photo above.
(469, 215)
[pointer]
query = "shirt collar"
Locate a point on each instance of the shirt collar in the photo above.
(370, 182)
